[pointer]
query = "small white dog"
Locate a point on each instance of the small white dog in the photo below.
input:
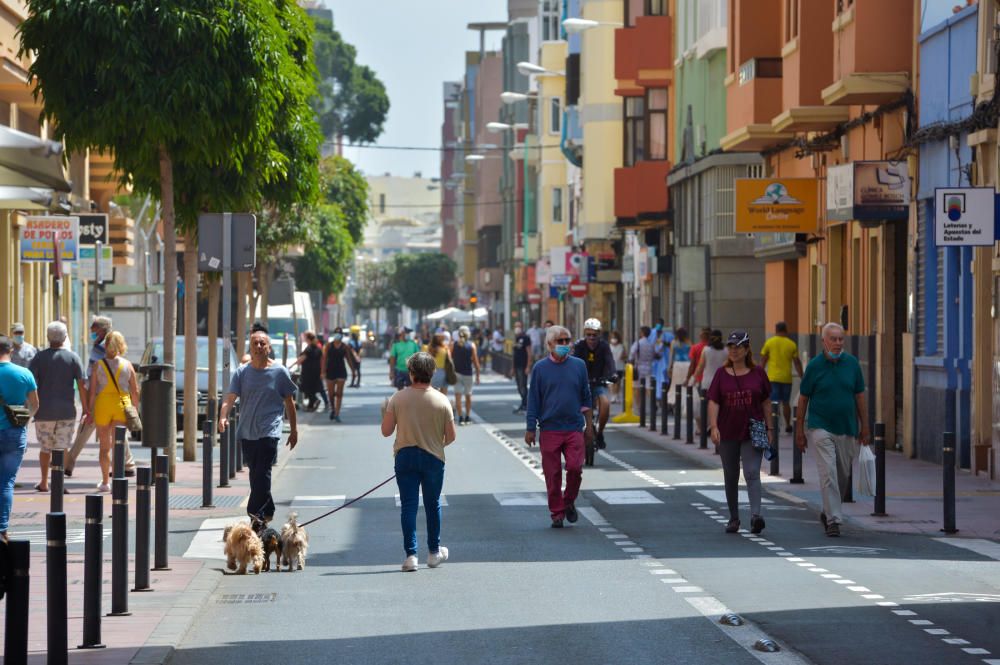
(294, 544)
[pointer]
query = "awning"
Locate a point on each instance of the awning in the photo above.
(465, 316)
(442, 314)
(28, 161)
(26, 198)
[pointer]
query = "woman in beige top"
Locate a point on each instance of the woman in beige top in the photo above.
(423, 422)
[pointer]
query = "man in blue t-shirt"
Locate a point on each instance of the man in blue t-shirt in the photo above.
(559, 404)
(833, 390)
(266, 393)
(17, 388)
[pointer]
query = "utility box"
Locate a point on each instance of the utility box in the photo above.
(156, 406)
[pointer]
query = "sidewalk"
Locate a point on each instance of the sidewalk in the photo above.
(913, 488)
(159, 619)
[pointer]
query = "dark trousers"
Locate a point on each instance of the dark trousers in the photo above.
(260, 455)
(522, 385)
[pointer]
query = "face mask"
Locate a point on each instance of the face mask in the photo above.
(834, 356)
(93, 337)
(562, 350)
(659, 327)
(19, 339)
(413, 335)
(518, 331)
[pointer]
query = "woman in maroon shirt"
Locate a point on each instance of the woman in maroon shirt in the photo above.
(739, 391)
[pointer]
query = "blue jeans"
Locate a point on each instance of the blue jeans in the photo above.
(418, 470)
(13, 443)
(260, 455)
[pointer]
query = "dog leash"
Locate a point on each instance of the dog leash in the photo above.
(354, 500)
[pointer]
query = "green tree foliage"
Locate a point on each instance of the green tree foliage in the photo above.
(375, 287)
(326, 262)
(353, 102)
(424, 281)
(343, 185)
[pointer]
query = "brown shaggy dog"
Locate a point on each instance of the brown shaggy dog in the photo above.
(244, 547)
(294, 544)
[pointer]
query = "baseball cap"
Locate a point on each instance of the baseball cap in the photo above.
(738, 338)
(17, 328)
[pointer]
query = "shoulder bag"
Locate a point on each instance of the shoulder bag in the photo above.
(17, 414)
(132, 420)
(758, 429)
(450, 377)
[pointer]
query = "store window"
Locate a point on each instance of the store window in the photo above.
(555, 116)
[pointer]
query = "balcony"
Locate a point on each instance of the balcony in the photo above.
(641, 191)
(644, 54)
(752, 100)
(871, 64)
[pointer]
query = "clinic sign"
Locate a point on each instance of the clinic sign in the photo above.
(868, 191)
(40, 236)
(776, 205)
(964, 216)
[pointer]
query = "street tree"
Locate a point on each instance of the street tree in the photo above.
(424, 281)
(375, 289)
(342, 185)
(326, 259)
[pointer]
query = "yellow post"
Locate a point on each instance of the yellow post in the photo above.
(626, 416)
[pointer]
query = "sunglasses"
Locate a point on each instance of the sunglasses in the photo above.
(591, 335)
(563, 340)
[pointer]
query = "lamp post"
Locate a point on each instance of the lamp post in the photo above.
(577, 25)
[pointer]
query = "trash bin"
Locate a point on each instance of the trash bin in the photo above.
(156, 406)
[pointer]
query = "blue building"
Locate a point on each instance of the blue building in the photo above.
(943, 309)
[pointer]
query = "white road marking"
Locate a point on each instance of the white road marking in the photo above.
(592, 516)
(976, 651)
(872, 596)
(719, 496)
(688, 589)
(330, 501)
(936, 631)
(632, 549)
(674, 580)
(860, 589)
(522, 499)
(626, 497)
(904, 613)
(745, 635)
(207, 543)
(921, 622)
(663, 571)
(956, 641)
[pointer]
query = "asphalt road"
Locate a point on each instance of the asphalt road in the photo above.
(641, 578)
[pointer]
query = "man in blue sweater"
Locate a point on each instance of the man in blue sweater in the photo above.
(559, 405)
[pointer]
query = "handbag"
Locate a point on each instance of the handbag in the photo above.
(132, 420)
(866, 472)
(758, 431)
(450, 377)
(17, 414)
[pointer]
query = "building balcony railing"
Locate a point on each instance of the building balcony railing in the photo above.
(753, 99)
(641, 193)
(644, 52)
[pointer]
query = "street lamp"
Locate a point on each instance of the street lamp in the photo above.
(530, 69)
(577, 25)
(498, 126)
(515, 97)
(474, 158)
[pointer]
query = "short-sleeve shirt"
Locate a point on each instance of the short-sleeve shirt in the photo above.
(22, 355)
(739, 399)
(262, 394)
(831, 386)
(15, 384)
(522, 344)
(695, 356)
(421, 415)
(781, 352)
(402, 351)
(56, 371)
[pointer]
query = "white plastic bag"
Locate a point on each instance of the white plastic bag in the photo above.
(866, 472)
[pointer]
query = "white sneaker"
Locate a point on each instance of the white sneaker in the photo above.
(410, 564)
(103, 487)
(435, 559)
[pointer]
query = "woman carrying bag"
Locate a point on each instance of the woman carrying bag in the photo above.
(113, 391)
(738, 397)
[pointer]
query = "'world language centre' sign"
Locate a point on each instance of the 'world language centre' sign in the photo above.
(776, 205)
(40, 235)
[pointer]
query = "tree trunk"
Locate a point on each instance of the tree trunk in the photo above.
(214, 286)
(169, 287)
(190, 345)
(264, 284)
(243, 280)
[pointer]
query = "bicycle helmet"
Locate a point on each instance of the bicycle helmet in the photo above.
(592, 324)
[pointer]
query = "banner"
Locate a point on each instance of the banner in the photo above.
(776, 205)
(39, 236)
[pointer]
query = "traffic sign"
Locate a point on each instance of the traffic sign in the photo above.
(243, 242)
(534, 297)
(578, 290)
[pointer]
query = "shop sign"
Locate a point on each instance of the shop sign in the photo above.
(964, 216)
(776, 205)
(87, 266)
(871, 191)
(93, 229)
(543, 272)
(39, 236)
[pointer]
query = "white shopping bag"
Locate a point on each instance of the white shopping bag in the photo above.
(866, 472)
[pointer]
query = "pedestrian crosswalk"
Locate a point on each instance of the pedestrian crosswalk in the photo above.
(37, 536)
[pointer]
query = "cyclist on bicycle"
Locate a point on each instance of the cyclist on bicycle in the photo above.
(596, 353)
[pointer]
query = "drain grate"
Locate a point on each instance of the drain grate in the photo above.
(246, 598)
(190, 501)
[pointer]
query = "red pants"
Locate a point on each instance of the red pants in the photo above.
(554, 446)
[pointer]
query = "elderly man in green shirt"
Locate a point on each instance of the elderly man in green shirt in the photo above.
(833, 391)
(404, 347)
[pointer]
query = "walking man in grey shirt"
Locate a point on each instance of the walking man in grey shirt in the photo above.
(22, 352)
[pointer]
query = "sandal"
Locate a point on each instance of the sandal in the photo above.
(733, 526)
(39, 488)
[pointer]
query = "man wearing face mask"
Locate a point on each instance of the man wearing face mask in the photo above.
(559, 405)
(596, 352)
(833, 391)
(99, 329)
(22, 353)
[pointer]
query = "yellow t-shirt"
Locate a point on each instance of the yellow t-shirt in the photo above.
(780, 352)
(439, 357)
(421, 416)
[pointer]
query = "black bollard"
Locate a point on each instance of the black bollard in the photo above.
(677, 411)
(119, 547)
(15, 638)
(206, 462)
(796, 453)
(160, 561)
(948, 493)
(56, 610)
(118, 457)
(652, 407)
(703, 409)
(238, 449)
(642, 402)
(93, 572)
(775, 424)
(143, 481)
(56, 484)
(224, 455)
(689, 406)
(664, 410)
(234, 422)
(878, 443)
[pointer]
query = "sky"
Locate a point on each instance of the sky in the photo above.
(414, 46)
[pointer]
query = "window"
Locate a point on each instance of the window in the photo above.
(656, 7)
(633, 10)
(656, 121)
(635, 130)
(555, 116)
(381, 203)
(791, 20)
(557, 204)
(550, 21)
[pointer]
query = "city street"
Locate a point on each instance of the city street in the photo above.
(644, 575)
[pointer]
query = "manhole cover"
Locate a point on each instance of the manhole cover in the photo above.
(246, 598)
(191, 501)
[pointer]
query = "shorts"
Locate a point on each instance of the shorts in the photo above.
(439, 379)
(598, 391)
(55, 434)
(464, 385)
(402, 380)
(781, 392)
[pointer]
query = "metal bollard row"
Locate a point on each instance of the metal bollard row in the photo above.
(93, 572)
(703, 410)
(56, 611)
(118, 459)
(56, 481)
(161, 561)
(677, 412)
(652, 408)
(224, 439)
(689, 405)
(641, 398)
(776, 425)
(796, 454)
(208, 441)
(664, 410)
(119, 547)
(878, 443)
(948, 482)
(15, 642)
(143, 482)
